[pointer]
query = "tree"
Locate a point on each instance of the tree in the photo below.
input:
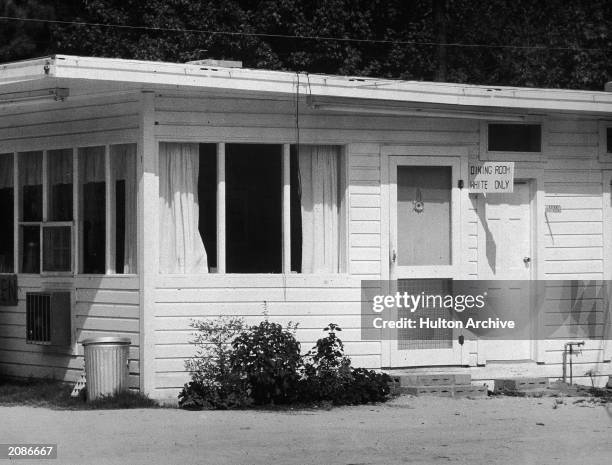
(550, 43)
(18, 39)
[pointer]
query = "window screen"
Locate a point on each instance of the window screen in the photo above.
(93, 213)
(515, 138)
(253, 208)
(424, 215)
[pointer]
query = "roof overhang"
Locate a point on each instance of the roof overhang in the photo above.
(87, 76)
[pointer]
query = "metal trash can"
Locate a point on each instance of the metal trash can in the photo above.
(106, 365)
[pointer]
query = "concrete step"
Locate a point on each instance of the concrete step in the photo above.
(516, 385)
(445, 391)
(438, 379)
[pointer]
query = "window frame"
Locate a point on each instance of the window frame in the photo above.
(285, 186)
(506, 155)
(604, 152)
(75, 226)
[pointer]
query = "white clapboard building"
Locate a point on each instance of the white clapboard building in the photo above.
(136, 196)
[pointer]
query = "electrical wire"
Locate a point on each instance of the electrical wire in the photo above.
(304, 37)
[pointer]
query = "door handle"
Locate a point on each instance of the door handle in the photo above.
(393, 256)
(526, 259)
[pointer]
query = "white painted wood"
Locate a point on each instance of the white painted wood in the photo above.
(322, 87)
(286, 200)
(148, 235)
(109, 216)
(221, 185)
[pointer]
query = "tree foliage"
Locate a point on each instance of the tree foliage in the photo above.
(550, 43)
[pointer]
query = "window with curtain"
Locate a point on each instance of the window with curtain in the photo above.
(317, 245)
(253, 208)
(7, 214)
(182, 249)
(124, 194)
(92, 227)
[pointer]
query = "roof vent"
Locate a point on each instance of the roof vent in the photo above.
(217, 63)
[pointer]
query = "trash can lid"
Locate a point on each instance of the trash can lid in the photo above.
(106, 340)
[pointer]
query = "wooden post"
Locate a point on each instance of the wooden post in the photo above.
(221, 208)
(148, 238)
(286, 186)
(109, 204)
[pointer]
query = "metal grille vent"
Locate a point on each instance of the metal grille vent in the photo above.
(48, 318)
(38, 318)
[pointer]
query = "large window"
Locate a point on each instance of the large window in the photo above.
(101, 218)
(282, 208)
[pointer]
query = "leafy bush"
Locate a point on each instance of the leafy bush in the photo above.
(236, 366)
(214, 383)
(328, 375)
(326, 369)
(268, 357)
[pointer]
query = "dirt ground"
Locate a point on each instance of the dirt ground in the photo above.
(407, 430)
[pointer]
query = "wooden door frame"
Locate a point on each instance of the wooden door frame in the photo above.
(459, 240)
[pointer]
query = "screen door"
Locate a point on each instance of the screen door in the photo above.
(424, 240)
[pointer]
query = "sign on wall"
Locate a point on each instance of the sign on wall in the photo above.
(491, 176)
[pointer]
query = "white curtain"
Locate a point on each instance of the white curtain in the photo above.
(123, 168)
(318, 166)
(181, 249)
(6, 171)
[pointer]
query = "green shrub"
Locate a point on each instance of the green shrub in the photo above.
(326, 370)
(328, 375)
(214, 384)
(235, 367)
(268, 357)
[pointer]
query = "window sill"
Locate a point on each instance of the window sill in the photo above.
(256, 280)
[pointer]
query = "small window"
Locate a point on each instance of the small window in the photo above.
(515, 138)
(609, 140)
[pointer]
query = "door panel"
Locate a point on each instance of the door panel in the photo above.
(506, 255)
(424, 240)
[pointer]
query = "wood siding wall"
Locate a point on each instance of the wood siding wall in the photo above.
(101, 305)
(572, 178)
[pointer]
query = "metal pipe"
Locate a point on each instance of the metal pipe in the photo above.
(568, 351)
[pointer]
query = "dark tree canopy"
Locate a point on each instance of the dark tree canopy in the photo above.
(549, 43)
